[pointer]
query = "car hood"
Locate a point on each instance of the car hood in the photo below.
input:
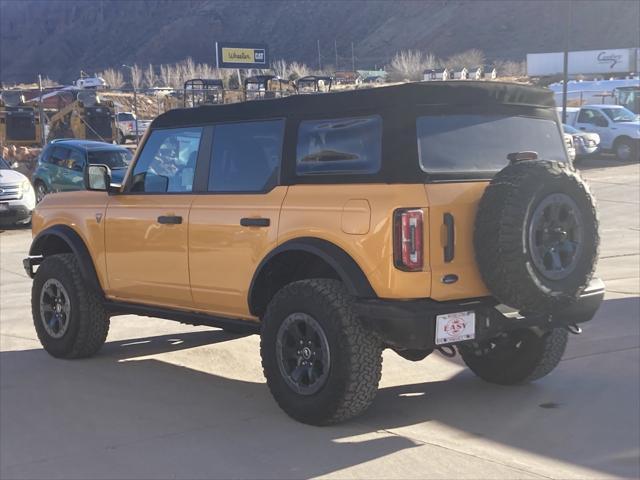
(11, 177)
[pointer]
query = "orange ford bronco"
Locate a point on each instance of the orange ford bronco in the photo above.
(419, 217)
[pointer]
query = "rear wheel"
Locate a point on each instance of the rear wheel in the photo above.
(626, 150)
(517, 357)
(321, 365)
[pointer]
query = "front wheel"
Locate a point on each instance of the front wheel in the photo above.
(517, 357)
(321, 365)
(69, 318)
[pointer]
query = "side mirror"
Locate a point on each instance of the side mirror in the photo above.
(97, 178)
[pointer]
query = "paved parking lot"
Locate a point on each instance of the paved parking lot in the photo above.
(164, 400)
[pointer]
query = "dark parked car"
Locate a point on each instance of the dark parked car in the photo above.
(62, 163)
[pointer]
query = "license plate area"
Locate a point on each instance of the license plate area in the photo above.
(455, 327)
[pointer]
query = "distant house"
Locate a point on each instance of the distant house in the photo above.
(476, 73)
(436, 74)
(484, 72)
(347, 78)
(460, 74)
(372, 76)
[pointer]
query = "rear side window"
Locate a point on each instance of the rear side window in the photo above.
(246, 156)
(167, 162)
(343, 145)
(481, 143)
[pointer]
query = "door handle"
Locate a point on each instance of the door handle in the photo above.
(255, 222)
(450, 231)
(170, 219)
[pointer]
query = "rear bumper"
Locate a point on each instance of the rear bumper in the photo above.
(411, 324)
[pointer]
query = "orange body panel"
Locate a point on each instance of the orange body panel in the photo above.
(207, 262)
(461, 201)
(148, 262)
(325, 211)
(223, 254)
(78, 211)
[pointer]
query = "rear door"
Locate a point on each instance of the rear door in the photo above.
(234, 224)
(460, 152)
(146, 232)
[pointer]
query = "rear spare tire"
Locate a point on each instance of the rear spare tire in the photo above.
(536, 236)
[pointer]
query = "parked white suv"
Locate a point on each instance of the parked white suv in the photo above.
(618, 128)
(17, 199)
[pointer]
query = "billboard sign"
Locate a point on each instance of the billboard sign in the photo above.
(241, 55)
(620, 60)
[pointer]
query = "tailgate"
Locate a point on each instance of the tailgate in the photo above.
(452, 213)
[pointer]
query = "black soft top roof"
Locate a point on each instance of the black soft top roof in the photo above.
(396, 97)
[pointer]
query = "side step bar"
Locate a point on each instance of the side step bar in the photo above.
(191, 318)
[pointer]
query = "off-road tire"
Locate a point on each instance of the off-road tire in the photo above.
(356, 354)
(88, 324)
(540, 354)
(501, 243)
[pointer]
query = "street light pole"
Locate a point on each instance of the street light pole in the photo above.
(135, 102)
(566, 63)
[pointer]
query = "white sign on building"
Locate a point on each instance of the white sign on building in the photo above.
(620, 60)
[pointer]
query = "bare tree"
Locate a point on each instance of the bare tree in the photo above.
(297, 70)
(150, 76)
(409, 65)
(469, 59)
(280, 68)
(136, 76)
(114, 78)
(510, 68)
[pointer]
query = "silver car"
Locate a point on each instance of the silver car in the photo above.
(585, 143)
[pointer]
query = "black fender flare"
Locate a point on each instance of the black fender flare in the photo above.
(350, 273)
(77, 246)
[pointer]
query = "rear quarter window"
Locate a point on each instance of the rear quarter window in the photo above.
(481, 143)
(341, 145)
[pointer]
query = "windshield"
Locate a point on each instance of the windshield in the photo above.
(481, 143)
(4, 165)
(125, 117)
(110, 158)
(570, 129)
(619, 114)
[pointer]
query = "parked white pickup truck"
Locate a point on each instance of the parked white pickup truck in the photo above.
(618, 127)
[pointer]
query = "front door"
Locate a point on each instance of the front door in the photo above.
(592, 120)
(235, 224)
(147, 225)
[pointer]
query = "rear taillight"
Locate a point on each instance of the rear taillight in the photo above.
(407, 245)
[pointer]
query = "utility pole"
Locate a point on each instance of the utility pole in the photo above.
(566, 61)
(335, 47)
(41, 113)
(319, 58)
(353, 59)
(135, 101)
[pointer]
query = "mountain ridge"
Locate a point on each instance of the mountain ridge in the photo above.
(57, 38)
